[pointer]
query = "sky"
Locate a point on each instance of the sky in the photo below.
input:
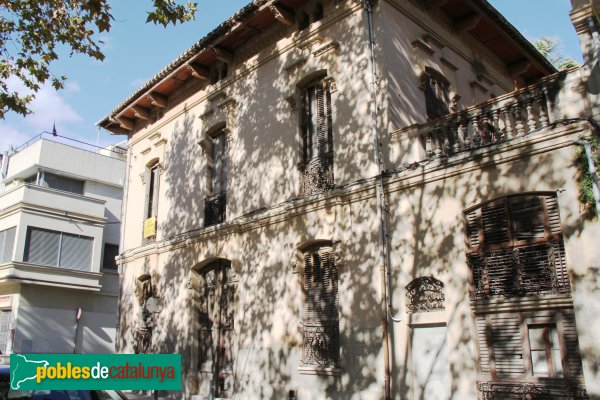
(136, 51)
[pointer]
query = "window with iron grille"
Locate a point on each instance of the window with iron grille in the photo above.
(215, 203)
(317, 138)
(321, 322)
(515, 247)
(437, 97)
(216, 297)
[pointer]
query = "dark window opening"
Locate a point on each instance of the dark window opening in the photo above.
(318, 15)
(57, 182)
(437, 94)
(317, 138)
(303, 21)
(111, 251)
(215, 203)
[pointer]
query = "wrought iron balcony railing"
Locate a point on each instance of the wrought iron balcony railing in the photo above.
(215, 209)
(317, 174)
(555, 390)
(321, 344)
(519, 271)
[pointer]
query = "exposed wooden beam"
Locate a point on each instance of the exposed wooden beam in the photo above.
(282, 14)
(250, 29)
(199, 71)
(223, 55)
(431, 4)
(519, 67)
(467, 23)
(126, 123)
(157, 100)
(141, 112)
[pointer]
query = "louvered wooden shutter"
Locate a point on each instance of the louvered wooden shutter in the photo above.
(484, 338)
(573, 354)
(494, 221)
(527, 214)
(473, 222)
(329, 117)
(321, 120)
(320, 286)
(507, 349)
(330, 286)
(304, 128)
(308, 288)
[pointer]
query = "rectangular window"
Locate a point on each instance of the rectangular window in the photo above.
(111, 251)
(544, 349)
(5, 320)
(215, 205)
(320, 323)
(58, 249)
(515, 247)
(437, 97)
(7, 243)
(218, 164)
(62, 183)
(152, 192)
(317, 138)
(57, 182)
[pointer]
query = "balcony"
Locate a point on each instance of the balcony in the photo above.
(317, 174)
(522, 271)
(52, 200)
(22, 272)
(511, 116)
(556, 389)
(215, 209)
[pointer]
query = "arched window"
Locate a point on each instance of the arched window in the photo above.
(317, 137)
(321, 321)
(425, 294)
(215, 298)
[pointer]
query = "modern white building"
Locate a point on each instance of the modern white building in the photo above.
(59, 234)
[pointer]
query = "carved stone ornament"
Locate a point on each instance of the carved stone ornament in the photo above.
(205, 144)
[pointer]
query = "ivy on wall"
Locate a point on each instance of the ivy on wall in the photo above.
(584, 179)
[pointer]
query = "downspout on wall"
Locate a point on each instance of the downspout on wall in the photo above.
(380, 202)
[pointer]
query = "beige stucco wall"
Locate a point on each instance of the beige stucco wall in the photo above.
(267, 218)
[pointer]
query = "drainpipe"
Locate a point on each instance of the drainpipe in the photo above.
(592, 169)
(380, 198)
(122, 239)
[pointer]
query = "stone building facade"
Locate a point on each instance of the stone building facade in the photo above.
(342, 199)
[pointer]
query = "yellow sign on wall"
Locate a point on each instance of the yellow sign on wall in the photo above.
(150, 227)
